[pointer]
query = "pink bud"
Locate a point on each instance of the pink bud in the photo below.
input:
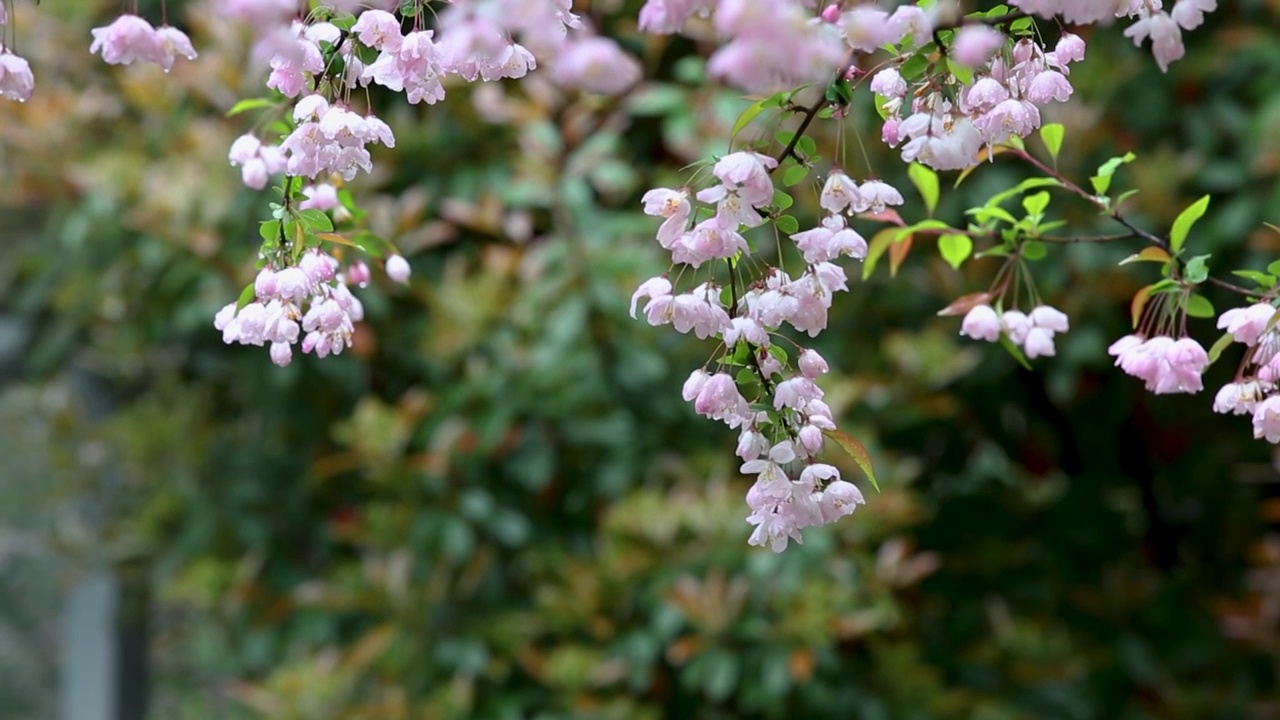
(358, 274)
(398, 269)
(831, 13)
(811, 364)
(281, 353)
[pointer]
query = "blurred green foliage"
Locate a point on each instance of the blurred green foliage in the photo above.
(497, 506)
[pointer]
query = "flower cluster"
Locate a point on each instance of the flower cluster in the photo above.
(1001, 102)
(1164, 364)
(1033, 332)
(132, 39)
(331, 139)
(310, 297)
(1256, 387)
(782, 427)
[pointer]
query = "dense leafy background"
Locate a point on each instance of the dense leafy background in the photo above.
(497, 506)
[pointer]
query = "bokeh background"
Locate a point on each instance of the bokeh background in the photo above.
(497, 505)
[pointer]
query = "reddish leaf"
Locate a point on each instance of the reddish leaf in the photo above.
(856, 450)
(965, 303)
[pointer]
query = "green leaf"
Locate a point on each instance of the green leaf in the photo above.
(246, 296)
(1261, 278)
(963, 73)
(1195, 271)
(1036, 204)
(1052, 135)
(794, 175)
(955, 248)
(269, 230)
(251, 104)
(781, 199)
(1199, 306)
(876, 248)
(1032, 250)
(1182, 224)
(788, 224)
(1013, 350)
(926, 181)
(779, 353)
(1216, 351)
(986, 214)
(745, 377)
(856, 450)
(1102, 181)
(1274, 268)
(915, 66)
(839, 92)
(751, 112)
(807, 146)
(1025, 185)
(316, 220)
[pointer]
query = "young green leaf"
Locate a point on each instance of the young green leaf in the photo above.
(1052, 135)
(955, 248)
(926, 181)
(788, 225)
(1199, 306)
(794, 175)
(250, 104)
(1182, 224)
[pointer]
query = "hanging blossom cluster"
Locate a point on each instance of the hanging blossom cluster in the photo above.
(1032, 332)
(782, 424)
(1150, 19)
(309, 301)
(1256, 388)
(946, 126)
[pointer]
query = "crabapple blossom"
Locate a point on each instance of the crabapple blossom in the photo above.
(1246, 325)
(1266, 419)
(16, 80)
(398, 269)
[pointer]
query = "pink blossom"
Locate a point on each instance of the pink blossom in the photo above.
(16, 80)
(839, 192)
(811, 364)
(745, 328)
(839, 498)
(866, 28)
(1049, 85)
(975, 44)
(596, 64)
(719, 399)
(1016, 325)
(652, 288)
(1038, 343)
(1189, 14)
(1266, 419)
(749, 171)
(1237, 398)
(874, 195)
(322, 196)
(670, 204)
(663, 17)
(981, 323)
(1050, 318)
(694, 384)
(889, 83)
(1070, 48)
(171, 42)
(1247, 324)
(379, 30)
(127, 39)
(398, 269)
(1166, 37)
